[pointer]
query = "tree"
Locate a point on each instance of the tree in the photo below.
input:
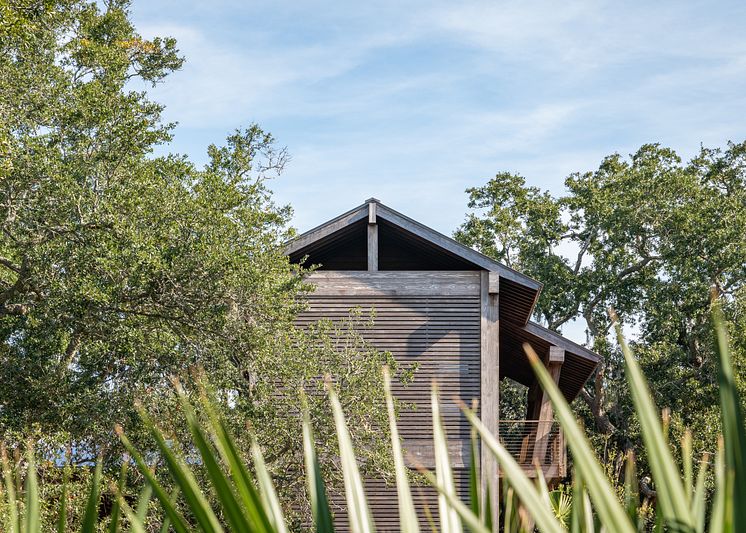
(648, 236)
(119, 269)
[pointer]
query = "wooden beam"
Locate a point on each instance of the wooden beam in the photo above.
(456, 247)
(546, 413)
(490, 388)
(395, 283)
(494, 283)
(372, 238)
(372, 213)
(373, 247)
(556, 355)
(319, 232)
(555, 339)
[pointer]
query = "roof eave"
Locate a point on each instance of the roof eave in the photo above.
(327, 228)
(556, 339)
(443, 241)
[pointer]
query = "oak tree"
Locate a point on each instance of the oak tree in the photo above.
(647, 235)
(120, 268)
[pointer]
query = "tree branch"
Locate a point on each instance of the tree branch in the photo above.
(7, 263)
(14, 290)
(637, 266)
(583, 249)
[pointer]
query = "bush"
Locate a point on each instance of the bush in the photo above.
(243, 497)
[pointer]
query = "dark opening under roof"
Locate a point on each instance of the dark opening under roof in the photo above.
(579, 364)
(405, 244)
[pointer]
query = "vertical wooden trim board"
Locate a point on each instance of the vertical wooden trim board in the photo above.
(490, 382)
(372, 247)
(372, 238)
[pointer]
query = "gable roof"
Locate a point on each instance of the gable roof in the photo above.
(518, 292)
(579, 365)
(527, 288)
(447, 243)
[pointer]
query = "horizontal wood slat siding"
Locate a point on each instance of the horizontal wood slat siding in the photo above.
(395, 283)
(383, 503)
(428, 318)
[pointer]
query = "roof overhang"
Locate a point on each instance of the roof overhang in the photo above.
(518, 295)
(528, 287)
(578, 366)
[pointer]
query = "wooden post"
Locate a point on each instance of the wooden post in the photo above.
(533, 401)
(372, 237)
(545, 412)
(490, 383)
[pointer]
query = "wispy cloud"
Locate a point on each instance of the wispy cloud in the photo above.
(219, 83)
(415, 101)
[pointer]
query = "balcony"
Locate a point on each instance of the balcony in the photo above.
(534, 442)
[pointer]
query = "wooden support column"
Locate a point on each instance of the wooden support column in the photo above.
(543, 409)
(533, 401)
(372, 237)
(490, 383)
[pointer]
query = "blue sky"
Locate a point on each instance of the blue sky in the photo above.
(412, 102)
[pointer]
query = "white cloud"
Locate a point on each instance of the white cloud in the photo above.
(218, 84)
(414, 102)
(582, 35)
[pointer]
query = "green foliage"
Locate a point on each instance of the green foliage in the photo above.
(120, 268)
(242, 497)
(648, 235)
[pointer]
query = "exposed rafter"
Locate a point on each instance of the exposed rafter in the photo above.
(373, 210)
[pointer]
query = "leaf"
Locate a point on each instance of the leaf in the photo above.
(136, 521)
(672, 499)
(631, 487)
(144, 501)
(719, 521)
(687, 458)
(10, 490)
(252, 501)
(449, 518)
(360, 518)
(62, 512)
(90, 518)
(734, 432)
(177, 520)
(33, 510)
(408, 522)
(184, 478)
(603, 495)
(166, 526)
(509, 509)
(475, 482)
(513, 472)
(115, 509)
(581, 518)
(269, 496)
(455, 505)
(322, 516)
(541, 485)
(487, 507)
(700, 495)
(223, 488)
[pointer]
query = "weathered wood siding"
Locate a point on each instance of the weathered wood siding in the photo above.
(429, 318)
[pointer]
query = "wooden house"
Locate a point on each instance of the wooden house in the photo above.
(463, 318)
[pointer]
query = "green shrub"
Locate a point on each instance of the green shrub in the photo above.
(243, 498)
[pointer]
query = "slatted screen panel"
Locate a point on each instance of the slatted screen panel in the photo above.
(439, 329)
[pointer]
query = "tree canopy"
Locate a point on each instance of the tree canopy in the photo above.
(647, 235)
(120, 268)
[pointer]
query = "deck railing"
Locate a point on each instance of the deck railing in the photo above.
(533, 442)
